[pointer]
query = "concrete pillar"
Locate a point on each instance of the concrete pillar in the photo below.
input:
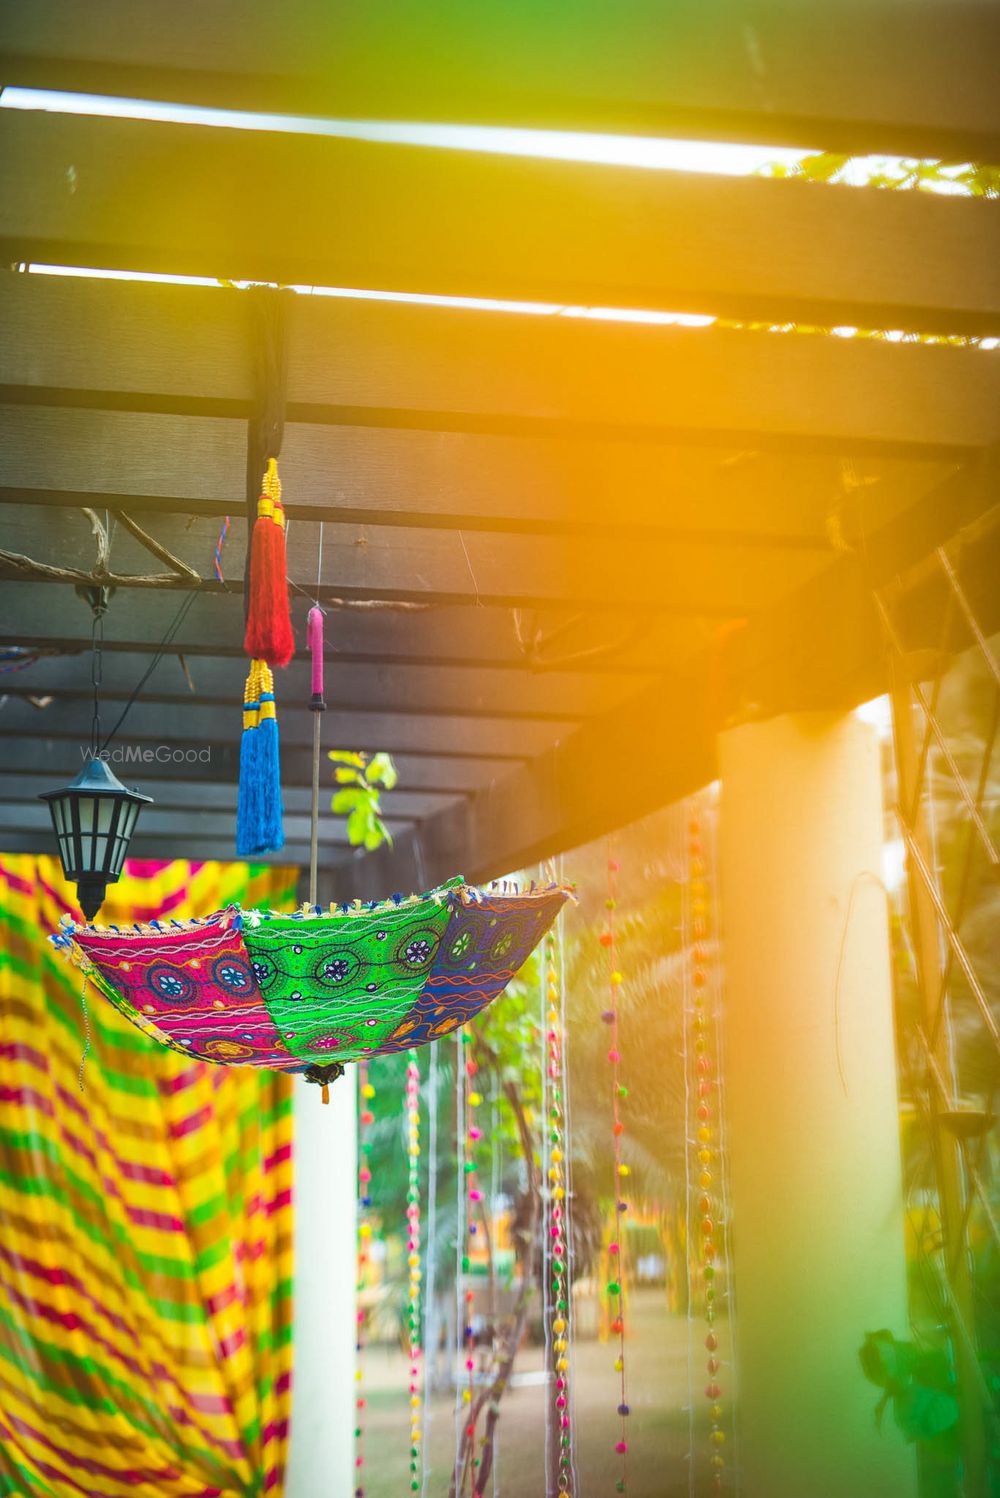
(321, 1456)
(817, 1230)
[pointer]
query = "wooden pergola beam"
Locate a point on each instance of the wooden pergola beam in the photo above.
(820, 647)
(464, 640)
(398, 565)
(182, 199)
(185, 350)
(200, 726)
(56, 757)
(782, 74)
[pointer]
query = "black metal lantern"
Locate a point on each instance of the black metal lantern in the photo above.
(94, 818)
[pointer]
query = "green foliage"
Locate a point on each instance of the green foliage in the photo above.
(919, 1383)
(362, 779)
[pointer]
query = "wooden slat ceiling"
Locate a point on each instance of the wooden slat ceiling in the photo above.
(558, 551)
(915, 77)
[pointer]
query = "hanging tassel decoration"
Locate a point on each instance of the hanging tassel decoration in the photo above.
(259, 809)
(246, 810)
(269, 622)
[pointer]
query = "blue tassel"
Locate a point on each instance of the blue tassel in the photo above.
(246, 805)
(272, 835)
(259, 809)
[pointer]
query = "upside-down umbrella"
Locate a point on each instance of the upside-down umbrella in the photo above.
(310, 991)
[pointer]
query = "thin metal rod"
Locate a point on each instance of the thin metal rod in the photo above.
(314, 819)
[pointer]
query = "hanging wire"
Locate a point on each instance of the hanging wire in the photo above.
(96, 673)
(161, 650)
(319, 564)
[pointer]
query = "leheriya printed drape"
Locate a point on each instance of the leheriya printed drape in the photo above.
(145, 1223)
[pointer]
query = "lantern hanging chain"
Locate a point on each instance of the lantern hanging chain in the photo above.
(96, 670)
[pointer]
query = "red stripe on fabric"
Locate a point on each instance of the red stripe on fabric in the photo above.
(59, 899)
(164, 1222)
(145, 868)
(190, 1124)
(18, 1051)
(273, 1478)
(23, 886)
(283, 1199)
(95, 1468)
(278, 1158)
(170, 1086)
(229, 1346)
(28, 1097)
(63, 1278)
(70, 1322)
(283, 1382)
(216, 1303)
(148, 1175)
(274, 1430)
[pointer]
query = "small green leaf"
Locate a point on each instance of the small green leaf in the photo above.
(347, 757)
(348, 777)
(347, 800)
(382, 770)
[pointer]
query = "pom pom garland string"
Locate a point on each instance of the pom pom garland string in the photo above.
(366, 1118)
(469, 1184)
(556, 1236)
(413, 1261)
(430, 1327)
(709, 1203)
(269, 622)
(616, 1282)
(463, 1296)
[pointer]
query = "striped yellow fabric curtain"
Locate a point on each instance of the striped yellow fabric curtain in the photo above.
(145, 1222)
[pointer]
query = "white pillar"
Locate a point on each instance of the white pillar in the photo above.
(817, 1231)
(321, 1455)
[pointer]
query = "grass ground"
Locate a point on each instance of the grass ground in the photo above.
(657, 1364)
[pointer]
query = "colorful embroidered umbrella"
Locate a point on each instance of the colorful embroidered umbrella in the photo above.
(311, 991)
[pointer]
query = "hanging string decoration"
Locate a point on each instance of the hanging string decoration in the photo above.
(414, 1320)
(619, 1093)
(366, 1118)
(709, 1204)
(269, 621)
(259, 808)
(556, 1237)
(220, 576)
(471, 1100)
(309, 992)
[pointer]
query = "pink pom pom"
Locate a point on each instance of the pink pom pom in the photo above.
(621, 1447)
(612, 1248)
(613, 1055)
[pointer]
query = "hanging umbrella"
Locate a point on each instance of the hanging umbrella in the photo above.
(311, 991)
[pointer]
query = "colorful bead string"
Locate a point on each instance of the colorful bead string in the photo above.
(616, 1283)
(556, 1241)
(366, 1118)
(413, 1260)
(473, 1197)
(706, 1069)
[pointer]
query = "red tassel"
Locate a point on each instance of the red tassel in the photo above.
(269, 622)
